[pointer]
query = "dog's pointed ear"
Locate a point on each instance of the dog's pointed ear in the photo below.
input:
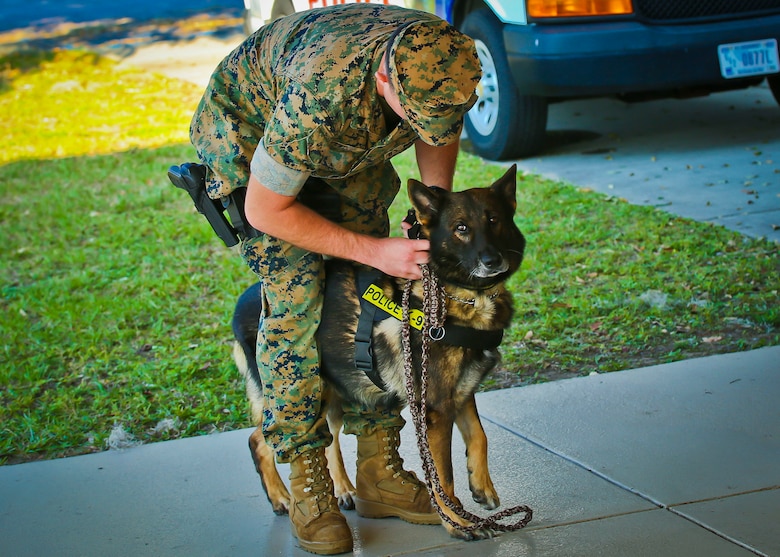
(506, 187)
(425, 200)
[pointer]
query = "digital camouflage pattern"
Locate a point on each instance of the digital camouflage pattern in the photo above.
(305, 86)
(435, 70)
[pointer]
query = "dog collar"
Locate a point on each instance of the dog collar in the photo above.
(470, 301)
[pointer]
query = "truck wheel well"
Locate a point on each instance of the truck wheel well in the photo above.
(463, 8)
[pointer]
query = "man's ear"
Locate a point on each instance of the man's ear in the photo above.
(382, 80)
(425, 200)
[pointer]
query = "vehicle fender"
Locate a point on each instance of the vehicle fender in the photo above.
(509, 11)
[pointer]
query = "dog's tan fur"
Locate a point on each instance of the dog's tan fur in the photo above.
(485, 255)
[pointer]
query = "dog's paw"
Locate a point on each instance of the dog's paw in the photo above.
(344, 491)
(482, 534)
(487, 500)
(280, 506)
(277, 495)
(471, 535)
(346, 500)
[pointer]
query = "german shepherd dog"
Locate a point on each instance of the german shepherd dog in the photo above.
(475, 247)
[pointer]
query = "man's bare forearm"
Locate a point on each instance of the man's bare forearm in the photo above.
(284, 218)
(437, 164)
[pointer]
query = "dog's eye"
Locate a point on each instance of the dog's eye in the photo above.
(461, 228)
(492, 220)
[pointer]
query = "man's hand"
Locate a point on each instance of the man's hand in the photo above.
(400, 257)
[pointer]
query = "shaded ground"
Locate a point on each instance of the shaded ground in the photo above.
(123, 37)
(38, 14)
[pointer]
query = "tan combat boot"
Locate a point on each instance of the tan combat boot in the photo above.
(315, 517)
(384, 488)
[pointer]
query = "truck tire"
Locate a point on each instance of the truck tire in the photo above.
(503, 124)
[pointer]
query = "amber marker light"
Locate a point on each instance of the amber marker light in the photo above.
(577, 8)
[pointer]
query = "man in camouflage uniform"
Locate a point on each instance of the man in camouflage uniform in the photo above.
(329, 96)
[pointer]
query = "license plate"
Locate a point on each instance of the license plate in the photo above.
(750, 58)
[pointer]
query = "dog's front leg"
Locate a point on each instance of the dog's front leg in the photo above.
(343, 488)
(440, 442)
(474, 437)
(265, 464)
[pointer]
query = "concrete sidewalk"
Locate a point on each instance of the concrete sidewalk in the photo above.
(673, 460)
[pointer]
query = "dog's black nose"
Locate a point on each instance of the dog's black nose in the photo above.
(490, 258)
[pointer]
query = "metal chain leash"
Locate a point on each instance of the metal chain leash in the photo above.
(434, 308)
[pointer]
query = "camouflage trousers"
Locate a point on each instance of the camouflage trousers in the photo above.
(287, 352)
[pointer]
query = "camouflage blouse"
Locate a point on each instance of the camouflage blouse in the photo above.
(302, 89)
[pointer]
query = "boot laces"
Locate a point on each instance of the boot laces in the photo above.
(395, 463)
(319, 482)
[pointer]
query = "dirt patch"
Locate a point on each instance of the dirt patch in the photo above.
(192, 61)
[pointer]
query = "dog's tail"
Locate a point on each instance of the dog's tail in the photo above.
(245, 323)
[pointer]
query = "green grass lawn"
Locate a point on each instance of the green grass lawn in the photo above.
(116, 296)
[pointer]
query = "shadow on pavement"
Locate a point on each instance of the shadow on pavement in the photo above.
(121, 38)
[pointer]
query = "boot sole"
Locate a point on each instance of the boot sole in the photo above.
(373, 509)
(325, 548)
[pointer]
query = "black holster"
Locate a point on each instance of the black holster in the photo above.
(191, 177)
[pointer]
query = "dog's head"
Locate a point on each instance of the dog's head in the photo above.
(474, 240)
